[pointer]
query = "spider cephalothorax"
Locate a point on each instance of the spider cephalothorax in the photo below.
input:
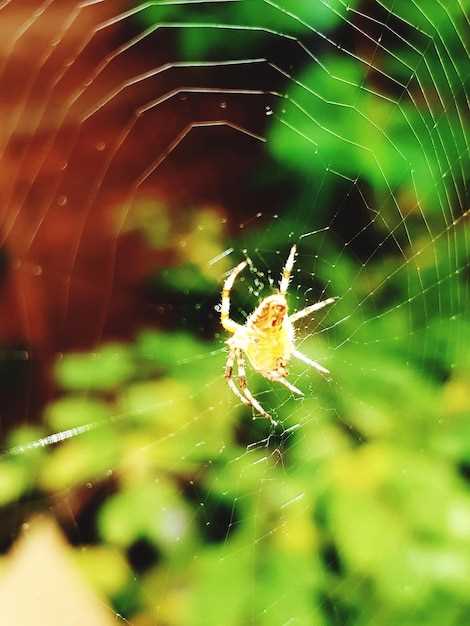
(267, 338)
(270, 313)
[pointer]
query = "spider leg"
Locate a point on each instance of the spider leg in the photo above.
(308, 361)
(310, 309)
(286, 383)
(227, 323)
(287, 271)
(247, 393)
(229, 378)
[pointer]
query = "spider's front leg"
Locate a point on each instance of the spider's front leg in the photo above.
(228, 323)
(295, 317)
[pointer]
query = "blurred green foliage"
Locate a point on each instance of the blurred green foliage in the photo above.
(332, 120)
(357, 511)
(209, 29)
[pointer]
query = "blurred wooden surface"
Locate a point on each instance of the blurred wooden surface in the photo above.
(70, 275)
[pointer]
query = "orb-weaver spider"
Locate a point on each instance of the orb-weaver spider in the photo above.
(267, 337)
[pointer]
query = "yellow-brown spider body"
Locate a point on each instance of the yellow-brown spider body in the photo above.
(267, 338)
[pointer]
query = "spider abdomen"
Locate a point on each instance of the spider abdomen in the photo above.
(270, 349)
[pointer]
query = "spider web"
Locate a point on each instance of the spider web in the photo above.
(147, 149)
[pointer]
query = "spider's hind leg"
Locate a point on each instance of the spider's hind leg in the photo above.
(247, 393)
(283, 381)
(229, 376)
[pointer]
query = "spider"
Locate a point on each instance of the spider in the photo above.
(267, 338)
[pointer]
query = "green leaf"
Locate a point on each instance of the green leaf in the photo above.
(103, 370)
(74, 411)
(158, 514)
(14, 479)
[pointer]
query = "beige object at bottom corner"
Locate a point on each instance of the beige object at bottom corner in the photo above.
(39, 585)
